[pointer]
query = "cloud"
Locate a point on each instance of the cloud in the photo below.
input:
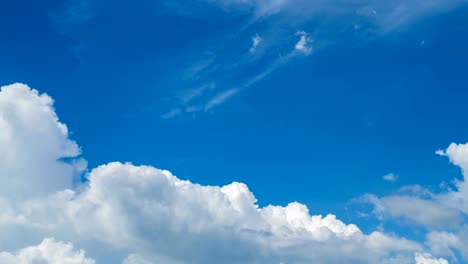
(48, 251)
(172, 113)
(386, 16)
(391, 177)
(150, 211)
(220, 98)
(443, 243)
(256, 40)
(423, 212)
(428, 259)
(303, 45)
(27, 119)
(340, 22)
(458, 198)
(137, 214)
(442, 213)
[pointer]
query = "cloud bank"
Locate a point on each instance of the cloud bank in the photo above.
(140, 214)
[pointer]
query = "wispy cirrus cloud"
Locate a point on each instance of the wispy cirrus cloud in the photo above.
(339, 20)
(256, 40)
(272, 24)
(206, 98)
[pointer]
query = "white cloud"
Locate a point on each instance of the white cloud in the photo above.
(172, 113)
(48, 251)
(386, 15)
(458, 198)
(303, 45)
(457, 154)
(422, 212)
(428, 259)
(32, 144)
(146, 210)
(138, 214)
(444, 214)
(391, 177)
(220, 98)
(448, 243)
(256, 40)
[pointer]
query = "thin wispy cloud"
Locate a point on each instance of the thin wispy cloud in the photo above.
(202, 99)
(189, 95)
(224, 96)
(256, 40)
(196, 70)
(220, 98)
(171, 113)
(371, 17)
(304, 43)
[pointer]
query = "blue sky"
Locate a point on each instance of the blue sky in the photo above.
(308, 101)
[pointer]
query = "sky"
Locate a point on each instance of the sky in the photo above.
(233, 131)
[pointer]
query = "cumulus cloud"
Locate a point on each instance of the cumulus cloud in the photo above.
(428, 259)
(138, 214)
(458, 198)
(34, 145)
(146, 210)
(48, 251)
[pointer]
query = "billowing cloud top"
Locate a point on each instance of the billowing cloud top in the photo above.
(140, 214)
(32, 141)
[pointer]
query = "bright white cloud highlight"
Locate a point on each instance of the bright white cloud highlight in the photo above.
(428, 259)
(32, 144)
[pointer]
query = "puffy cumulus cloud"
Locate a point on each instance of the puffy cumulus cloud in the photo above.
(149, 211)
(428, 259)
(48, 251)
(33, 144)
(457, 154)
(141, 214)
(458, 198)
